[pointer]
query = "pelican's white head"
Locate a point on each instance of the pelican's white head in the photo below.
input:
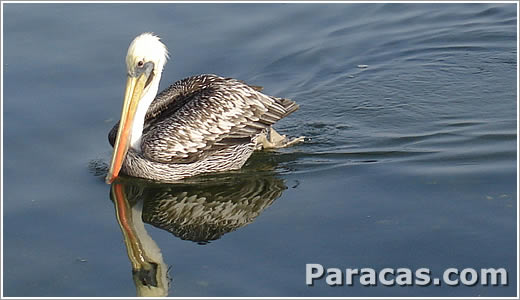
(146, 48)
(145, 61)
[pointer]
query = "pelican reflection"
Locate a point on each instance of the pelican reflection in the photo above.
(199, 210)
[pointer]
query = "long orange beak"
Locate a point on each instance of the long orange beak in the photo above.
(133, 92)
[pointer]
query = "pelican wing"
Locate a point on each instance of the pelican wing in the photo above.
(199, 114)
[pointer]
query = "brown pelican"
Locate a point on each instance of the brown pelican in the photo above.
(200, 124)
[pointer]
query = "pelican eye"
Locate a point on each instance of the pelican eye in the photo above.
(140, 63)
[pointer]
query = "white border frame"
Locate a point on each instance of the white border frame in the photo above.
(218, 1)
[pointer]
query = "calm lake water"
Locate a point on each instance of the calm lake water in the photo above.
(411, 115)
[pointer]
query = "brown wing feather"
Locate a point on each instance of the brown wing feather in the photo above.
(201, 114)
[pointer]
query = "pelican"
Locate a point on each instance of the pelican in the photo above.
(200, 124)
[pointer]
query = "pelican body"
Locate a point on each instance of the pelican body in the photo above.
(200, 124)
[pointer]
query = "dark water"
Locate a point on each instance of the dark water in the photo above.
(411, 160)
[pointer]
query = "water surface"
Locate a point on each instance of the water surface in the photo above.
(410, 111)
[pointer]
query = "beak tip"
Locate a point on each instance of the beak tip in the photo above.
(109, 179)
